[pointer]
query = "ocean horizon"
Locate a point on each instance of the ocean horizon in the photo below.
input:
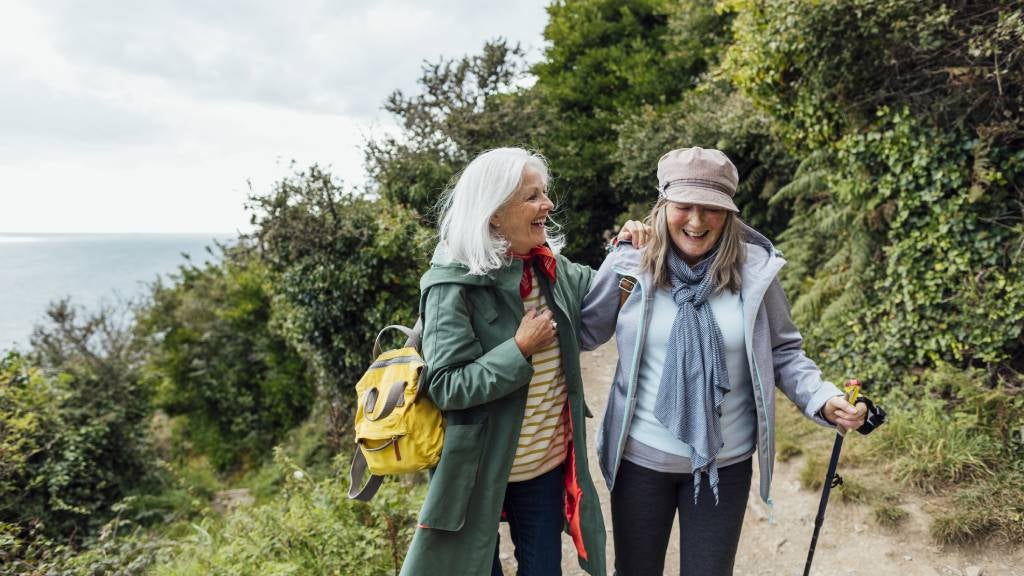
(91, 269)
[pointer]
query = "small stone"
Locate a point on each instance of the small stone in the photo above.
(858, 528)
(758, 511)
(908, 557)
(778, 547)
(973, 571)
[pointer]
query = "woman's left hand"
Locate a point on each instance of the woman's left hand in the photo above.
(635, 232)
(844, 415)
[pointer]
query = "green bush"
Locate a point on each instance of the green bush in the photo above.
(73, 415)
(952, 430)
(904, 246)
(822, 69)
(908, 255)
(345, 266)
(311, 528)
(232, 383)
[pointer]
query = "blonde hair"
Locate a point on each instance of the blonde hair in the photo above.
(725, 270)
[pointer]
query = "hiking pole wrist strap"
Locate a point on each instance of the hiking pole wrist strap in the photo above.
(875, 417)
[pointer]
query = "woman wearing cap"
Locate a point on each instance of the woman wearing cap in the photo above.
(501, 322)
(704, 338)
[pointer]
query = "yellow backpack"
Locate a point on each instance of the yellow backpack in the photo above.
(398, 428)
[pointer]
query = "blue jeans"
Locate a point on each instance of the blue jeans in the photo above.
(534, 509)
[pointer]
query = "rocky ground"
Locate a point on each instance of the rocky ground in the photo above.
(850, 543)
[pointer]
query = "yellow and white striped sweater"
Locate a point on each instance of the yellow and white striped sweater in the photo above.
(543, 439)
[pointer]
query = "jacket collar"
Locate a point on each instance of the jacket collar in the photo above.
(444, 270)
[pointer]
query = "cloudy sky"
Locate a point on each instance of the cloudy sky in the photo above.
(151, 116)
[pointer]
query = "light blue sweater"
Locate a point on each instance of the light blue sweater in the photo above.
(739, 416)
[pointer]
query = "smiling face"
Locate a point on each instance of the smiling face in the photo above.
(694, 229)
(521, 220)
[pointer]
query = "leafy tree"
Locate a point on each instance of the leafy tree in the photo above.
(712, 115)
(607, 59)
(344, 266)
(73, 416)
(905, 241)
(823, 68)
(467, 106)
(219, 363)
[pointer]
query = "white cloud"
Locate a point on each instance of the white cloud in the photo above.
(151, 116)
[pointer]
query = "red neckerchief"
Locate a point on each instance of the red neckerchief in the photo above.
(545, 257)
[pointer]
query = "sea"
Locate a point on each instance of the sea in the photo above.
(91, 269)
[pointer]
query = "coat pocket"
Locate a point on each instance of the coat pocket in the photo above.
(451, 485)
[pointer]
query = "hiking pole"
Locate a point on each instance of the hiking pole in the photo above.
(831, 478)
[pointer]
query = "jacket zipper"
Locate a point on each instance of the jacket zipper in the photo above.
(764, 409)
(633, 375)
(396, 360)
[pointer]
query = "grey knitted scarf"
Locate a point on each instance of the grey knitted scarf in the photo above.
(695, 378)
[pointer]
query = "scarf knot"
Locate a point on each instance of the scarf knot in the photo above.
(544, 258)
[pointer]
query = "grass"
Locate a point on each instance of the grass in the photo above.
(310, 528)
(958, 442)
(889, 516)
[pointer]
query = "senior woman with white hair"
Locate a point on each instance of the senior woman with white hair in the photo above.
(501, 324)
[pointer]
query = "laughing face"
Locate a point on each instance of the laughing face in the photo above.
(695, 229)
(521, 220)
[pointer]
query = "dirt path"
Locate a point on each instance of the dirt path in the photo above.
(850, 544)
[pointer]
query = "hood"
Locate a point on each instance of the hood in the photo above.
(762, 255)
(443, 270)
(757, 240)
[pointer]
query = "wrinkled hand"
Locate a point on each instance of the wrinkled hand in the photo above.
(844, 415)
(635, 232)
(536, 331)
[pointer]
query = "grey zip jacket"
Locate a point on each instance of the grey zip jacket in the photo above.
(774, 348)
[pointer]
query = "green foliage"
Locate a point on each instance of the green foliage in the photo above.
(606, 60)
(73, 415)
(233, 383)
(311, 528)
(984, 512)
(900, 261)
(889, 516)
(824, 68)
(955, 430)
(712, 115)
(467, 106)
(345, 267)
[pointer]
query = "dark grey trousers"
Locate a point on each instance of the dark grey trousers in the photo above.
(644, 505)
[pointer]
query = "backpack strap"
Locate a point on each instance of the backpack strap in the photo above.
(410, 334)
(356, 473)
(626, 286)
(415, 339)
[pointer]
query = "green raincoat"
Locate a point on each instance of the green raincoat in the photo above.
(478, 377)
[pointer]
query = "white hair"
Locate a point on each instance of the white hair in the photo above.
(483, 187)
